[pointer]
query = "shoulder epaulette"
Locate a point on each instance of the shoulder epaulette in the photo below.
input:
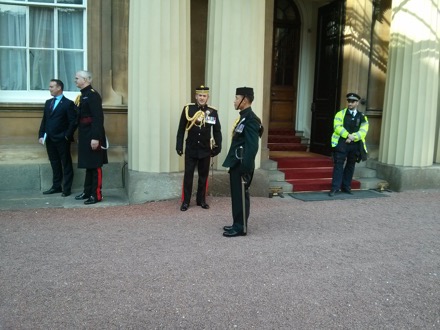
(210, 106)
(190, 104)
(92, 90)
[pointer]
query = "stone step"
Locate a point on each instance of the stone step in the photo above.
(27, 167)
(275, 175)
(34, 199)
(283, 139)
(371, 183)
(364, 172)
(303, 179)
(317, 184)
(286, 147)
(269, 165)
(39, 176)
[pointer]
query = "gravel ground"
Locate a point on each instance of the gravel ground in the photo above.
(358, 264)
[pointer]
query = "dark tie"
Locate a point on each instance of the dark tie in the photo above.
(52, 103)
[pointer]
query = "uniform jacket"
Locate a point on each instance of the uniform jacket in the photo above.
(344, 125)
(198, 144)
(246, 135)
(90, 127)
(59, 124)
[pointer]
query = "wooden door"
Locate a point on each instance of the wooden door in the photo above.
(328, 69)
(285, 60)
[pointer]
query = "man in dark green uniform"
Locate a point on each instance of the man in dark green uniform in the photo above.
(198, 120)
(241, 159)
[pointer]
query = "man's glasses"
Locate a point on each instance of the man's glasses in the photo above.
(351, 101)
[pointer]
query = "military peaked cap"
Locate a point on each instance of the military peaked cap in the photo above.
(202, 90)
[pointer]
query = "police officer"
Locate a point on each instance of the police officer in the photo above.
(92, 153)
(348, 143)
(241, 158)
(198, 120)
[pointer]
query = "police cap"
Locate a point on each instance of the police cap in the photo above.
(353, 96)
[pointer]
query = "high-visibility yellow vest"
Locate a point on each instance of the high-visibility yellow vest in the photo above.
(340, 131)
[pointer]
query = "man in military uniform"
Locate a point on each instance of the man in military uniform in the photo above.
(348, 144)
(198, 120)
(241, 159)
(92, 153)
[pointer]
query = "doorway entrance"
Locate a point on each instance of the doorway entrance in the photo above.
(327, 83)
(284, 84)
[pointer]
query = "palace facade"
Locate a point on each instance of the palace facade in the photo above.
(300, 56)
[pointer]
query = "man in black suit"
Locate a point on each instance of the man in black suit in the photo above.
(56, 132)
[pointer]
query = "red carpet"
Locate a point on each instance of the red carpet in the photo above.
(305, 171)
(284, 140)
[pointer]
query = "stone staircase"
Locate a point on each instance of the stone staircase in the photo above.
(293, 169)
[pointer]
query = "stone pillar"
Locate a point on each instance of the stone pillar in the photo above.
(235, 58)
(159, 82)
(409, 134)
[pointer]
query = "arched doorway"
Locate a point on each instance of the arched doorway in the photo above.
(285, 59)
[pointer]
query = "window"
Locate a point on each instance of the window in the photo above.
(287, 26)
(40, 40)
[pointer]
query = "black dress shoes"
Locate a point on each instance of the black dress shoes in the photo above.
(65, 193)
(233, 233)
(332, 193)
(91, 200)
(52, 191)
(203, 205)
(228, 228)
(184, 207)
(81, 196)
(347, 191)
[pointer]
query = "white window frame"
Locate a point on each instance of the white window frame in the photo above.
(32, 96)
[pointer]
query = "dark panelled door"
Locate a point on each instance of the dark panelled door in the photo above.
(328, 67)
(287, 29)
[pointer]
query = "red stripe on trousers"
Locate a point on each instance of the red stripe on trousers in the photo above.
(99, 185)
(183, 191)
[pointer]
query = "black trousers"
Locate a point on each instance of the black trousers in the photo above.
(61, 163)
(93, 183)
(344, 153)
(203, 172)
(237, 198)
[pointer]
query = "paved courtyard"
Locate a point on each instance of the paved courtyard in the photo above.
(358, 264)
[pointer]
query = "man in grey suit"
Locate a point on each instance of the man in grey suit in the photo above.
(59, 122)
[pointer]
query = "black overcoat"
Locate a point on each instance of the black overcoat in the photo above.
(91, 127)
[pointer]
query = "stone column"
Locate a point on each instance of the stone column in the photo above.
(235, 58)
(159, 82)
(409, 134)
